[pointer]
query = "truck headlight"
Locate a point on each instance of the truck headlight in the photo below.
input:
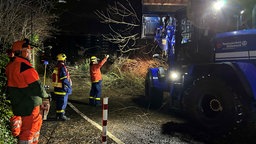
(174, 75)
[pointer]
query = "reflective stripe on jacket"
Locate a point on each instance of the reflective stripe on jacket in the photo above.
(60, 72)
(56, 82)
(61, 79)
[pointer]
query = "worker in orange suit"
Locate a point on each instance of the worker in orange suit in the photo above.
(96, 80)
(27, 94)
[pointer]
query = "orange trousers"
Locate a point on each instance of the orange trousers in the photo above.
(27, 128)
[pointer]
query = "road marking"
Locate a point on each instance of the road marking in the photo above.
(95, 124)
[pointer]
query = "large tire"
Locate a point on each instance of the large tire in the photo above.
(214, 105)
(153, 95)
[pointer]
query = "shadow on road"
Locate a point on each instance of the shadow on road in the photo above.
(190, 131)
(185, 131)
(77, 102)
(140, 101)
(165, 109)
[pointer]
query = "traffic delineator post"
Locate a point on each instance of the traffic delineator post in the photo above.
(104, 119)
(109, 134)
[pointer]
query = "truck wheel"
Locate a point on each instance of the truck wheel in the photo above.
(214, 105)
(153, 95)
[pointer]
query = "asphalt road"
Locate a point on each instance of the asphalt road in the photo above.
(130, 121)
(126, 124)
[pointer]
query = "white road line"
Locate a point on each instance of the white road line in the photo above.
(95, 124)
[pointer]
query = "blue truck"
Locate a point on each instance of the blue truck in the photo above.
(211, 56)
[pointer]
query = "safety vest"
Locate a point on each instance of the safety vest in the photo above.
(56, 79)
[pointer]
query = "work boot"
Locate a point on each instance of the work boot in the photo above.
(62, 117)
(91, 102)
(98, 105)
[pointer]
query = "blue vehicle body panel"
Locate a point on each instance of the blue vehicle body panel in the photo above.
(236, 46)
(249, 71)
(156, 82)
(239, 47)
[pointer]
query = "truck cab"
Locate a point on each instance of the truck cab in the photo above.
(209, 48)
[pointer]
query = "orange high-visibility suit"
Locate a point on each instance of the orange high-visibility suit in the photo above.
(26, 95)
(96, 79)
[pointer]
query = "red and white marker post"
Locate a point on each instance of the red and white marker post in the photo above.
(104, 120)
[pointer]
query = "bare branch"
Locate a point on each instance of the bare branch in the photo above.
(25, 18)
(122, 20)
(108, 19)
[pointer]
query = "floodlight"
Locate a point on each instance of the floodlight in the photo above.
(219, 4)
(62, 1)
(242, 12)
(174, 75)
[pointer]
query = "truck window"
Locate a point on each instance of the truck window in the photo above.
(186, 31)
(149, 26)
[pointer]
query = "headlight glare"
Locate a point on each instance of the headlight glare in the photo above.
(174, 75)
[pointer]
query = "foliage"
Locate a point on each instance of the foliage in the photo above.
(5, 109)
(5, 133)
(85, 66)
(3, 61)
(129, 74)
(123, 73)
(25, 19)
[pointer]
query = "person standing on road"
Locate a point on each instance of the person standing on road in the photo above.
(28, 96)
(96, 80)
(62, 86)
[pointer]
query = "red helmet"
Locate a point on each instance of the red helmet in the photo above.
(18, 45)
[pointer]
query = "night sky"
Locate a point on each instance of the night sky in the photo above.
(76, 21)
(77, 16)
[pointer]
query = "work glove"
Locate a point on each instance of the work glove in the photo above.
(45, 105)
(68, 89)
(44, 108)
(70, 81)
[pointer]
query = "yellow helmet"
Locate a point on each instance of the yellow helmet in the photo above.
(93, 58)
(61, 57)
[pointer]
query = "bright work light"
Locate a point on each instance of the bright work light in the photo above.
(242, 12)
(62, 1)
(217, 5)
(174, 75)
